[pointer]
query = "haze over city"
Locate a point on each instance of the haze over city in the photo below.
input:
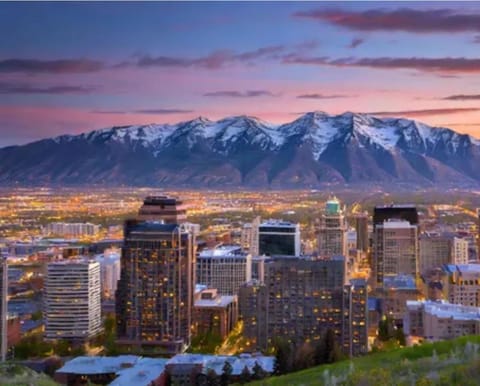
(72, 67)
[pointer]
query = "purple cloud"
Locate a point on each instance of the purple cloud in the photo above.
(61, 66)
(321, 96)
(462, 97)
(22, 88)
(434, 65)
(425, 112)
(239, 94)
(476, 39)
(162, 111)
(403, 19)
(356, 42)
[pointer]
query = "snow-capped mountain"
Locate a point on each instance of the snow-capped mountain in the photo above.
(314, 149)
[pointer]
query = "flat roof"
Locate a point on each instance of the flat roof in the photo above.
(445, 310)
(143, 373)
(223, 251)
(85, 365)
(219, 301)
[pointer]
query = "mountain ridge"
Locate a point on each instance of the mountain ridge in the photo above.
(243, 151)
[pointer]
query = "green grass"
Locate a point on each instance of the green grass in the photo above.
(16, 375)
(454, 362)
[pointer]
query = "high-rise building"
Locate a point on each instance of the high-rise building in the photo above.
(396, 249)
(109, 271)
(356, 325)
(395, 228)
(168, 209)
(332, 231)
(277, 237)
(361, 227)
(155, 294)
(249, 236)
(460, 250)
(435, 250)
(300, 299)
(3, 307)
(225, 268)
(72, 306)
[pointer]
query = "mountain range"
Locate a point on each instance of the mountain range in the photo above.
(242, 151)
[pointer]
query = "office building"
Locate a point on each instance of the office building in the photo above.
(214, 314)
(72, 305)
(300, 299)
(435, 250)
(395, 249)
(360, 222)
(249, 236)
(356, 325)
(277, 237)
(332, 231)
(462, 284)
(225, 268)
(396, 291)
(401, 212)
(168, 209)
(436, 321)
(155, 293)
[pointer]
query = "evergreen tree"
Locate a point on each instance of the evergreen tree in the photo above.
(245, 376)
(258, 372)
(227, 370)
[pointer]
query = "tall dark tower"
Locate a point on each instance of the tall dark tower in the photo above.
(154, 299)
(361, 227)
(168, 209)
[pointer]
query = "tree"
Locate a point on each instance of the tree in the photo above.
(227, 370)
(245, 376)
(283, 355)
(258, 372)
(327, 349)
(212, 378)
(400, 337)
(304, 357)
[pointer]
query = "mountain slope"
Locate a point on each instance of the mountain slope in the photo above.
(314, 149)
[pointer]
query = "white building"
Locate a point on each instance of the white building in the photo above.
(463, 284)
(440, 320)
(109, 271)
(72, 305)
(225, 268)
(71, 229)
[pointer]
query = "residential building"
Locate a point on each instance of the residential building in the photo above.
(435, 321)
(225, 268)
(300, 299)
(71, 229)
(155, 293)
(332, 231)
(72, 300)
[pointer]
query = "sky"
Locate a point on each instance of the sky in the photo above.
(72, 67)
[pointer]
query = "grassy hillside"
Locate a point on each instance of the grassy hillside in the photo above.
(16, 375)
(455, 362)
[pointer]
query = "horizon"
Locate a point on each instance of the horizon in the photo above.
(71, 68)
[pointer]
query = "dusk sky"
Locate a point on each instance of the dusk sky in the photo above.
(75, 67)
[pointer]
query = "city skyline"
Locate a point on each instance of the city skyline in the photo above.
(74, 67)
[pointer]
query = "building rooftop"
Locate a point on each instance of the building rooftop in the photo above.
(462, 268)
(143, 373)
(223, 251)
(445, 310)
(219, 301)
(85, 365)
(278, 223)
(399, 282)
(396, 223)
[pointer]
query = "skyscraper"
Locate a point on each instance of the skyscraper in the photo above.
(155, 293)
(72, 304)
(277, 237)
(332, 231)
(169, 209)
(402, 216)
(396, 249)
